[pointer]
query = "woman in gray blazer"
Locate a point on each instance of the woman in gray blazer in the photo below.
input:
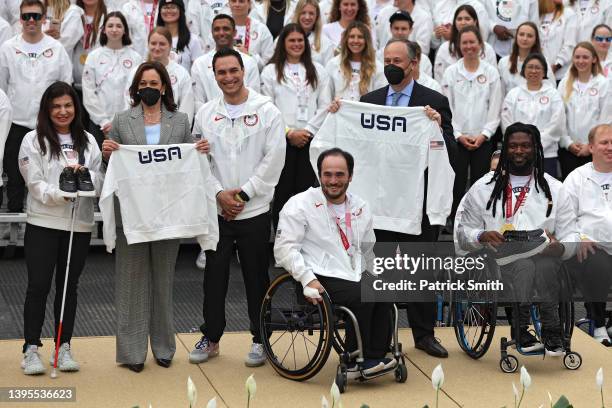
(145, 271)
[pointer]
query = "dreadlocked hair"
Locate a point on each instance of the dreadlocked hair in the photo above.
(501, 176)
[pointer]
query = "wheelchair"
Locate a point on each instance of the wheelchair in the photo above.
(474, 317)
(299, 336)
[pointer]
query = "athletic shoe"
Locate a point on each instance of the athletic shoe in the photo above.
(201, 260)
(553, 346)
(528, 342)
(520, 245)
(369, 366)
(68, 183)
(256, 357)
(31, 363)
(65, 362)
(204, 349)
(85, 185)
(601, 335)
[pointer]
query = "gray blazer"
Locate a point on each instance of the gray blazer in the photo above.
(128, 128)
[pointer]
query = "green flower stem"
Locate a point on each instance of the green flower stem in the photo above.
(521, 399)
(437, 392)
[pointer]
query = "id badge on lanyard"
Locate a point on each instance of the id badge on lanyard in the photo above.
(346, 238)
(302, 97)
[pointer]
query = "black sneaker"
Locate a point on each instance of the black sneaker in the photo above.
(554, 346)
(520, 245)
(68, 183)
(85, 185)
(528, 342)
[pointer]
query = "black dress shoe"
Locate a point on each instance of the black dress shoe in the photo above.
(431, 346)
(135, 367)
(163, 362)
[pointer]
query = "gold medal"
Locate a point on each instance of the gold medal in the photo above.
(82, 59)
(506, 227)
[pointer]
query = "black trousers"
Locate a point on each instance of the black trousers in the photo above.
(297, 176)
(374, 319)
(569, 162)
(477, 161)
(251, 237)
(594, 279)
(46, 250)
(15, 186)
(96, 132)
(421, 315)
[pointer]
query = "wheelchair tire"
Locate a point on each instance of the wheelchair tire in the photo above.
(572, 361)
(341, 378)
(508, 364)
(474, 324)
(286, 315)
(401, 373)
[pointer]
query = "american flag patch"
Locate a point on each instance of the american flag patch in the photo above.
(24, 161)
(436, 145)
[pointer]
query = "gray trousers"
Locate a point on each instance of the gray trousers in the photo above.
(144, 276)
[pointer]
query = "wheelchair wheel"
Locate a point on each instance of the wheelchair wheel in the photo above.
(474, 324)
(508, 364)
(339, 341)
(572, 361)
(341, 378)
(297, 336)
(401, 373)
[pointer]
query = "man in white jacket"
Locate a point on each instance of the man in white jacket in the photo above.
(588, 233)
(29, 63)
(325, 240)
(247, 138)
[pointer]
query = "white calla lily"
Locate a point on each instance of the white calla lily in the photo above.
(525, 378)
(599, 378)
(335, 393)
(324, 402)
(251, 386)
(192, 392)
(437, 377)
(515, 391)
(212, 403)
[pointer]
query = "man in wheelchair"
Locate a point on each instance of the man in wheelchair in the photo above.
(514, 210)
(324, 237)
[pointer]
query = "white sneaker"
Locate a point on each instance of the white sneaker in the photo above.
(256, 357)
(601, 335)
(203, 350)
(201, 260)
(65, 362)
(31, 363)
(610, 331)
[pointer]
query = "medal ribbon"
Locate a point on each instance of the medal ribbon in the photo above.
(519, 201)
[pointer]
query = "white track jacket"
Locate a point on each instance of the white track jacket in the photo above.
(247, 152)
(25, 78)
(6, 114)
(164, 192)
(308, 242)
(392, 147)
(421, 32)
(338, 84)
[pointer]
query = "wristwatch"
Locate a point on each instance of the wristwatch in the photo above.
(242, 197)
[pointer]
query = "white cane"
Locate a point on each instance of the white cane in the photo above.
(59, 329)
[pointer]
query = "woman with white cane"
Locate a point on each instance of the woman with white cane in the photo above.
(59, 161)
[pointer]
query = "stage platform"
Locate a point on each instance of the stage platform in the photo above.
(468, 383)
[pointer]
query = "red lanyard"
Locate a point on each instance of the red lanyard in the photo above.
(347, 221)
(149, 20)
(87, 35)
(519, 201)
(247, 34)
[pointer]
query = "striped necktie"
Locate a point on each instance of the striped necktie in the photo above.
(395, 98)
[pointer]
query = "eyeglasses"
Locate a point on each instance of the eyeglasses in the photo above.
(600, 38)
(28, 16)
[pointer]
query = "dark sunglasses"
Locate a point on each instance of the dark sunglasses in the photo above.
(599, 38)
(28, 16)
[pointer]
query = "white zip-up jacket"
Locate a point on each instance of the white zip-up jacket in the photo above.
(475, 217)
(319, 98)
(308, 242)
(475, 103)
(247, 152)
(325, 52)
(444, 59)
(558, 40)
(45, 206)
(444, 11)
(205, 87)
(543, 108)
(338, 84)
(591, 213)
(139, 31)
(509, 14)
(71, 28)
(106, 71)
(585, 110)
(6, 114)
(80, 55)
(381, 138)
(25, 79)
(261, 43)
(429, 82)
(421, 31)
(595, 12)
(199, 15)
(6, 31)
(182, 88)
(510, 81)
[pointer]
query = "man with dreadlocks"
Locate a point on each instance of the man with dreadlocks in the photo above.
(518, 195)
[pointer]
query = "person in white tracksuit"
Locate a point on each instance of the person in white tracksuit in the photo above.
(6, 112)
(342, 13)
(505, 17)
(308, 15)
(252, 36)
(186, 47)
(444, 13)
(292, 76)
(537, 103)
(558, 31)
(355, 71)
(205, 87)
(421, 30)
(108, 69)
(477, 81)
(141, 16)
(586, 93)
(588, 233)
(601, 40)
(6, 31)
(64, 22)
(527, 41)
(447, 53)
(29, 63)
(200, 14)
(160, 42)
(590, 13)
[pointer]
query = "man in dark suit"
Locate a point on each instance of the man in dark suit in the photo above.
(400, 61)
